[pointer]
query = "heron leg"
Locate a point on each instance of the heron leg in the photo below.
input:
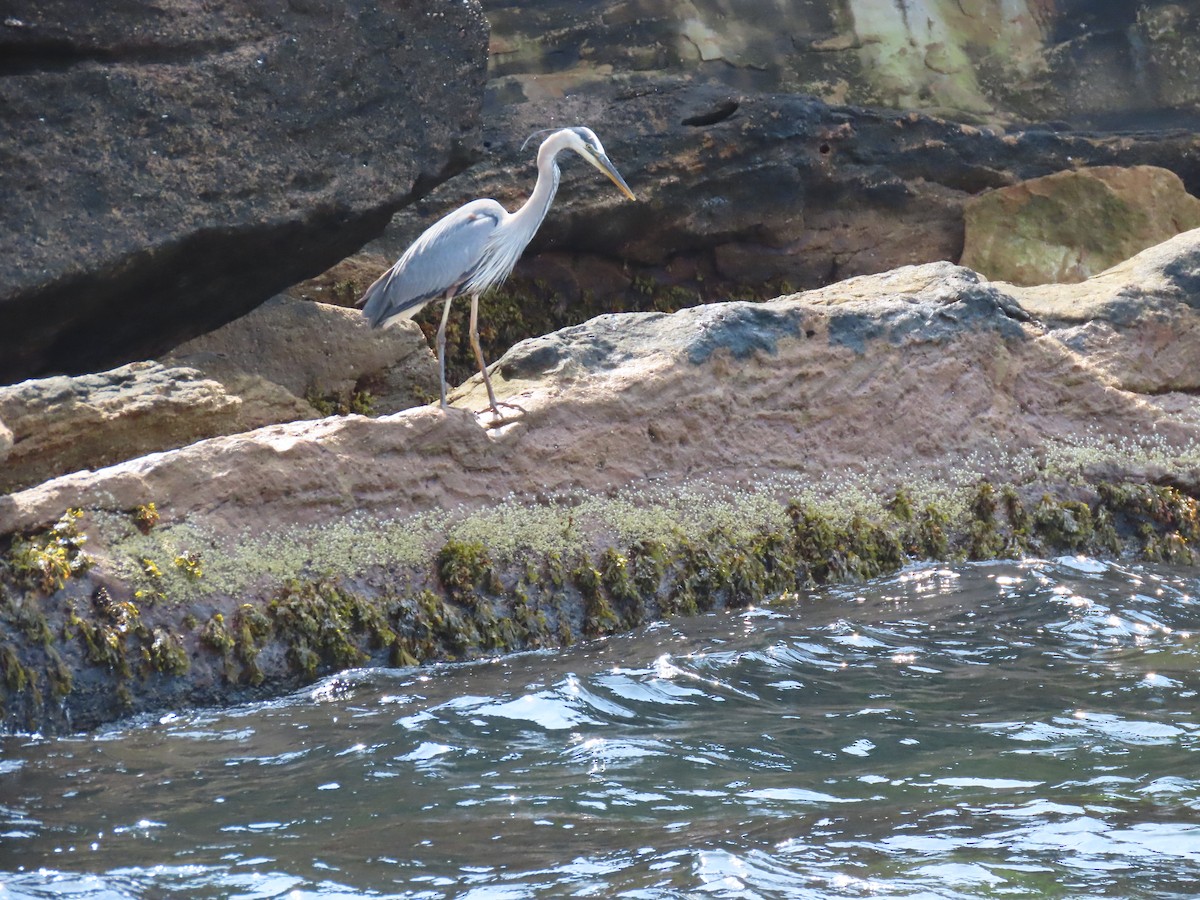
(474, 333)
(441, 347)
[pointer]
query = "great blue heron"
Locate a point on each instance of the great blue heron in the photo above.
(475, 248)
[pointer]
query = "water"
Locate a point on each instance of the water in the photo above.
(1004, 730)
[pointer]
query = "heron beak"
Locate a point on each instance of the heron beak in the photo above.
(604, 164)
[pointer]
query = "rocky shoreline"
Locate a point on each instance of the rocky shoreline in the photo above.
(207, 495)
(651, 465)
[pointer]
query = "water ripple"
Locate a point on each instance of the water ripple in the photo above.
(1007, 729)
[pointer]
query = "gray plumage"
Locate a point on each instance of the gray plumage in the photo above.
(475, 248)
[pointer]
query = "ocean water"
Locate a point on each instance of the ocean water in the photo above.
(1014, 729)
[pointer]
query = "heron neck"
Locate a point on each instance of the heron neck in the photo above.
(534, 210)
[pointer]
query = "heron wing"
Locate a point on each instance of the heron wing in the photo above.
(438, 262)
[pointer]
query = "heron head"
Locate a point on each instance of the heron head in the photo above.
(584, 142)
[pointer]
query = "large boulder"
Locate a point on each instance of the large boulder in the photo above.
(168, 166)
(1072, 225)
(1135, 322)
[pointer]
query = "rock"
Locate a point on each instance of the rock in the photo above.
(6, 441)
(325, 354)
(167, 167)
(288, 360)
(1135, 322)
(782, 193)
(648, 465)
(746, 193)
(1071, 225)
(1029, 60)
(63, 424)
(786, 187)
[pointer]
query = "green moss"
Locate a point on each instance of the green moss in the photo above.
(1164, 520)
(464, 568)
(598, 616)
(190, 563)
(985, 540)
(781, 569)
(105, 640)
(166, 654)
(46, 560)
(17, 679)
(698, 579)
(670, 298)
(362, 403)
(875, 549)
(145, 517)
(216, 636)
(317, 622)
(496, 633)
(357, 402)
(648, 565)
(435, 628)
(555, 570)
(530, 621)
(644, 285)
(618, 583)
(746, 578)
(59, 675)
(566, 635)
(901, 505)
(152, 593)
(251, 630)
(124, 614)
(24, 613)
(1065, 525)
(933, 541)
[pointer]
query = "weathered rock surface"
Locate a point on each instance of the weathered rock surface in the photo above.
(168, 166)
(288, 360)
(1072, 225)
(286, 551)
(1031, 60)
(319, 352)
(1135, 322)
(64, 424)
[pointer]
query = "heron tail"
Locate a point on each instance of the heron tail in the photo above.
(374, 301)
(380, 303)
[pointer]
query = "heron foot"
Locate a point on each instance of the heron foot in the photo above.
(501, 418)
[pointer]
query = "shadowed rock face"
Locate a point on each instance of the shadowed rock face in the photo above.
(168, 166)
(739, 194)
(1111, 65)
